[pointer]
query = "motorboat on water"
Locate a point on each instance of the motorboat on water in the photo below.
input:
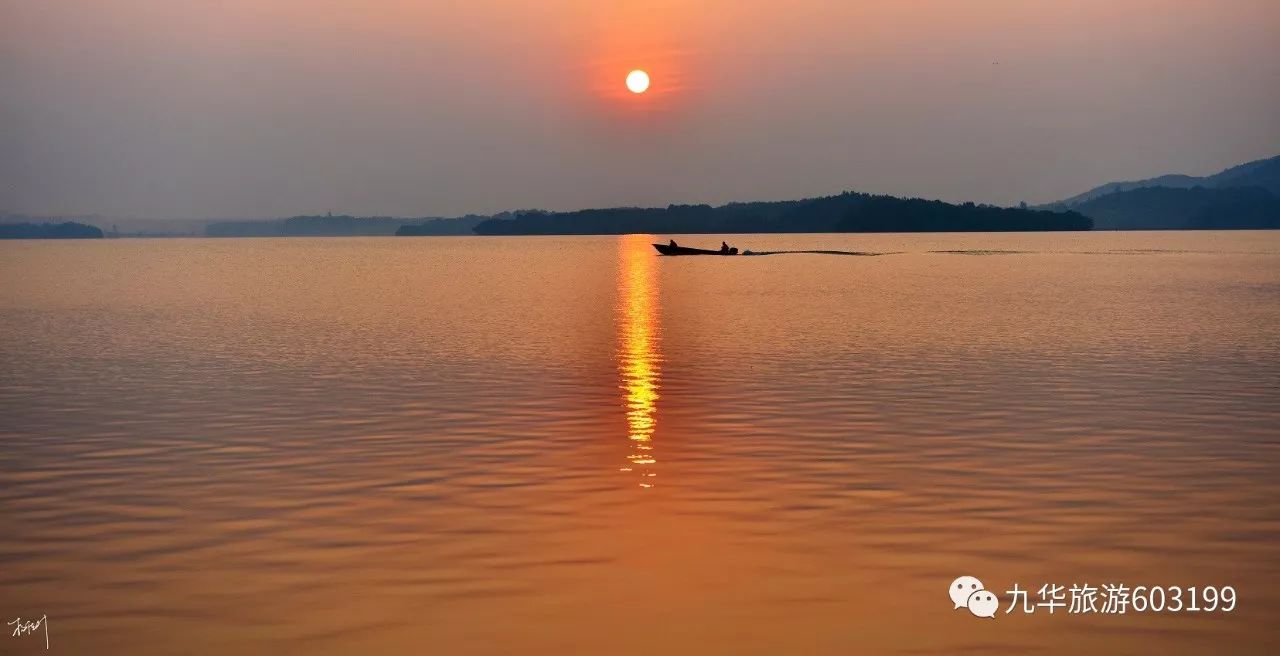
(675, 249)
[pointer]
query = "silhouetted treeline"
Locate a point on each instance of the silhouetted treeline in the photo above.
(441, 227)
(338, 226)
(307, 226)
(333, 226)
(272, 228)
(848, 212)
(1197, 208)
(68, 230)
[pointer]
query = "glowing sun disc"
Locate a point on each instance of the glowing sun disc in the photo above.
(638, 81)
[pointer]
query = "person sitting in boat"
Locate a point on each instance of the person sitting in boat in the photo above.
(724, 247)
(673, 243)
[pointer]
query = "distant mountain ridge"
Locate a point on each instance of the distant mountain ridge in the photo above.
(1241, 197)
(1197, 208)
(1263, 173)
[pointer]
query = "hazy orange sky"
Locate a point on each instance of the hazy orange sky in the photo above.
(229, 108)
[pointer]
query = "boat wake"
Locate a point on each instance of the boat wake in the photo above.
(981, 251)
(856, 253)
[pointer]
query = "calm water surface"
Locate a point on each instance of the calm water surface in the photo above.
(569, 445)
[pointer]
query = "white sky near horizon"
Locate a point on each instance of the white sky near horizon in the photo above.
(239, 108)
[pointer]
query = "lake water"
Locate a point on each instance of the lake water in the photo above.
(567, 445)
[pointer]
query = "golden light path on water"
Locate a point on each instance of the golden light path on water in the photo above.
(638, 359)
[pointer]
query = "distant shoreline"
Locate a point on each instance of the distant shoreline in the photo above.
(65, 230)
(1244, 197)
(110, 237)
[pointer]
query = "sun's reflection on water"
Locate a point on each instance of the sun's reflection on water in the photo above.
(638, 351)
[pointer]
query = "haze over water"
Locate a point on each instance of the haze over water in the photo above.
(569, 445)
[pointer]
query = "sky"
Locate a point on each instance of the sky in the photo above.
(262, 108)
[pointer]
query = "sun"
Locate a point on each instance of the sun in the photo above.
(638, 81)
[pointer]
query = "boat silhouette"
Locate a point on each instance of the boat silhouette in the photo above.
(675, 249)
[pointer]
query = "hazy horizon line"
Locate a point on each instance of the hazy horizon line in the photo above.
(5, 214)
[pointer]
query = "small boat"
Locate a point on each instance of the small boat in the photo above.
(669, 249)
